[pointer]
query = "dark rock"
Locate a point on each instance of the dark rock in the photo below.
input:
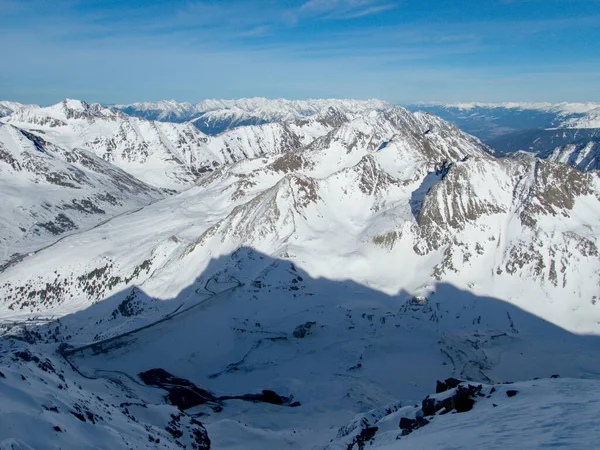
(57, 428)
(272, 397)
(175, 432)
(450, 383)
(78, 415)
(200, 436)
(185, 398)
(2, 375)
(182, 393)
(462, 399)
(303, 330)
(266, 396)
(428, 406)
(555, 376)
(407, 424)
(365, 435)
(90, 416)
(511, 392)
(26, 356)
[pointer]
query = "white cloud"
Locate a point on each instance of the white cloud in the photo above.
(345, 9)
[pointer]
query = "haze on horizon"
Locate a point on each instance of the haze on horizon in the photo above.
(401, 51)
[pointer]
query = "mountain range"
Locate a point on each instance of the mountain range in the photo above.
(215, 116)
(302, 282)
(536, 127)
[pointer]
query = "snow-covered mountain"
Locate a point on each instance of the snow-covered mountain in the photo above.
(157, 153)
(316, 288)
(7, 107)
(169, 155)
(215, 116)
(591, 119)
(48, 191)
(585, 156)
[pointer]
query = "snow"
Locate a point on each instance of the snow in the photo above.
(42, 183)
(411, 250)
(563, 108)
(591, 119)
(217, 115)
(7, 107)
(544, 413)
(166, 155)
(583, 156)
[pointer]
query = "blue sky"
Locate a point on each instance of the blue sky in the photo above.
(403, 51)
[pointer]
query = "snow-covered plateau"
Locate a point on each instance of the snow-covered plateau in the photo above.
(343, 280)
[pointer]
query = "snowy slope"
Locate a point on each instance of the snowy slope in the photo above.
(45, 404)
(538, 414)
(389, 252)
(48, 191)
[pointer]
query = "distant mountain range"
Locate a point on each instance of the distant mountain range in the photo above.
(215, 116)
(510, 127)
(507, 127)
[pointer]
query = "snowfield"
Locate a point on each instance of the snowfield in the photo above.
(304, 290)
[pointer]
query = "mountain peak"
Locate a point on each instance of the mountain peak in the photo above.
(75, 105)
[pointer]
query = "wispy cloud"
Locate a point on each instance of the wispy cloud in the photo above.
(345, 9)
(261, 30)
(369, 11)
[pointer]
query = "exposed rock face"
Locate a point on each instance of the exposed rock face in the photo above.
(584, 156)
